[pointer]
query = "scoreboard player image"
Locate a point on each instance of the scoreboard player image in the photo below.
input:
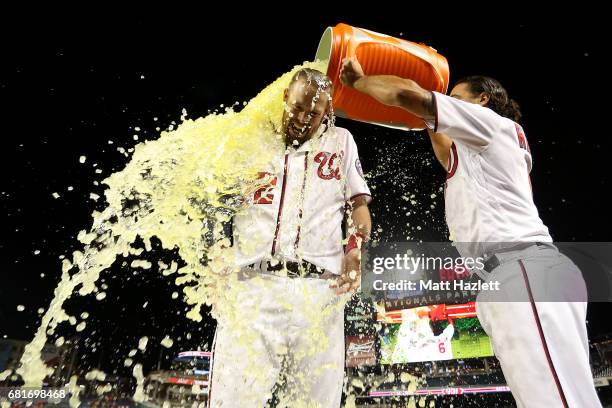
(432, 333)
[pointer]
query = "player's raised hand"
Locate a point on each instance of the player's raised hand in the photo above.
(350, 277)
(351, 71)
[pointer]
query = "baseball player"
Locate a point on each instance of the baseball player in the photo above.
(542, 345)
(288, 319)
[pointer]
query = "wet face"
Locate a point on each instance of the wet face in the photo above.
(305, 108)
(462, 91)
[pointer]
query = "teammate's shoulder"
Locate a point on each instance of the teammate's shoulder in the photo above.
(513, 127)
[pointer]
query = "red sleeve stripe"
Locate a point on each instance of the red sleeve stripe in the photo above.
(435, 104)
(536, 316)
(453, 158)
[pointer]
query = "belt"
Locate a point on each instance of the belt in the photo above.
(294, 269)
(493, 261)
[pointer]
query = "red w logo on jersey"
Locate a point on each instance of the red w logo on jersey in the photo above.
(326, 158)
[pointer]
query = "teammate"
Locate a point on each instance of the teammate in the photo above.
(541, 342)
(288, 319)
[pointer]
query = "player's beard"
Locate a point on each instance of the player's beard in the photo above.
(294, 137)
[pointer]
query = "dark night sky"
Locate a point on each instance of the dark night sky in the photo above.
(69, 85)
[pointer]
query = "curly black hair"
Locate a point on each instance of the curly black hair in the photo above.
(499, 101)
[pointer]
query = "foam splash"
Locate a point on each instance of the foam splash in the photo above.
(179, 189)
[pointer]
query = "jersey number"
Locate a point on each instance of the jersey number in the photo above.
(522, 139)
(265, 194)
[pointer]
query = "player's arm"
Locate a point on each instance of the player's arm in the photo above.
(359, 228)
(360, 216)
(389, 90)
(395, 91)
(469, 123)
(441, 144)
(219, 239)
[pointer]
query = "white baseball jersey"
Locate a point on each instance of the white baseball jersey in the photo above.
(488, 193)
(298, 211)
(488, 203)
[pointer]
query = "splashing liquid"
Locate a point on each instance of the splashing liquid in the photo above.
(178, 188)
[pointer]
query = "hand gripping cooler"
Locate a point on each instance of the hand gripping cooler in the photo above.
(379, 54)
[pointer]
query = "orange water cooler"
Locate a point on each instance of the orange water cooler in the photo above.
(379, 54)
